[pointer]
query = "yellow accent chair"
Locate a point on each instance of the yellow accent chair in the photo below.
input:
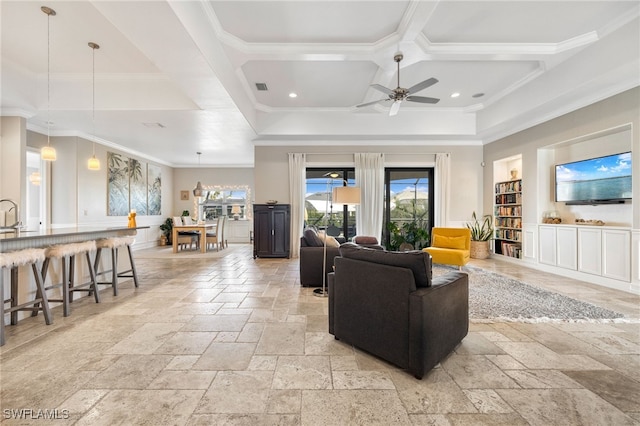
(450, 246)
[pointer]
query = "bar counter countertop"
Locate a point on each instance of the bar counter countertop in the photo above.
(11, 239)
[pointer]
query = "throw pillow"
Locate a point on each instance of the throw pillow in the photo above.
(331, 241)
(311, 237)
(419, 262)
(442, 241)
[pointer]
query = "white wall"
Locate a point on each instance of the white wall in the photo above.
(272, 169)
(13, 159)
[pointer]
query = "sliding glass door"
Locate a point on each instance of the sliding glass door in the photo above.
(408, 208)
(339, 220)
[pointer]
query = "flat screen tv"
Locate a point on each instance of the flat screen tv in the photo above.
(600, 180)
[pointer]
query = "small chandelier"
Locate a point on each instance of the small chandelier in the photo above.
(48, 153)
(93, 163)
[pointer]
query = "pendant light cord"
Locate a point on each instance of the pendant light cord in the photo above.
(48, 80)
(93, 98)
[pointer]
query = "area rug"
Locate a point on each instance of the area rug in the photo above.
(166, 252)
(495, 297)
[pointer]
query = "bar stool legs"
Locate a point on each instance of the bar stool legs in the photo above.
(114, 244)
(64, 252)
(13, 260)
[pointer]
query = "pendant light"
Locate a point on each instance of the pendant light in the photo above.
(48, 152)
(198, 191)
(93, 163)
(35, 178)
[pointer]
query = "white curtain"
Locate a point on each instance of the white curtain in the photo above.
(370, 179)
(297, 185)
(442, 189)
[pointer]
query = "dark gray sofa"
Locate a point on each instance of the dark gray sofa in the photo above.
(387, 304)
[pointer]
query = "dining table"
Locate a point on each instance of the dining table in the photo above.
(202, 228)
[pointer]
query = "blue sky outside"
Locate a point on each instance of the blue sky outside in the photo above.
(597, 168)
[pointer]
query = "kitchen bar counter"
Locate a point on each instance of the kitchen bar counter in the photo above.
(22, 239)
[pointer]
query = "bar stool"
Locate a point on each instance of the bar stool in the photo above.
(13, 260)
(114, 244)
(64, 252)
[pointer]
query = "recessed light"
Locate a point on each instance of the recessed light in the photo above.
(477, 95)
(455, 94)
(293, 95)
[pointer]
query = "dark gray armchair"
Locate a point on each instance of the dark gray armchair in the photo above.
(387, 304)
(311, 263)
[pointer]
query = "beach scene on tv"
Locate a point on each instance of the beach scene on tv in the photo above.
(602, 178)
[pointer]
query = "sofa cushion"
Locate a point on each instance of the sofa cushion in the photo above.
(442, 241)
(417, 261)
(331, 241)
(311, 237)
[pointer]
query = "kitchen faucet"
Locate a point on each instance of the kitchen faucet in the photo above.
(15, 207)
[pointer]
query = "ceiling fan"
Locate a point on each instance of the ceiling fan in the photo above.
(400, 94)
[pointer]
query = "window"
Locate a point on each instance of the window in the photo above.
(339, 220)
(224, 200)
(408, 208)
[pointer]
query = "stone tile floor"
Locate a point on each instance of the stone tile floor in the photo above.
(232, 340)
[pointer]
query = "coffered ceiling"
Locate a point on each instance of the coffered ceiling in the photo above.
(176, 77)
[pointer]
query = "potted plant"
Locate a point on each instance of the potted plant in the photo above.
(409, 236)
(167, 228)
(481, 234)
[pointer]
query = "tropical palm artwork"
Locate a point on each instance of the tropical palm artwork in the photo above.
(154, 189)
(132, 185)
(138, 186)
(118, 184)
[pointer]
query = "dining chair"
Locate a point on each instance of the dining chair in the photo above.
(214, 237)
(184, 237)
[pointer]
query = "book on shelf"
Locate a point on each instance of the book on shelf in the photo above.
(508, 211)
(511, 249)
(511, 186)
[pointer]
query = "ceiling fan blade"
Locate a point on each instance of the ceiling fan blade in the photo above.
(382, 89)
(422, 85)
(394, 108)
(423, 99)
(371, 103)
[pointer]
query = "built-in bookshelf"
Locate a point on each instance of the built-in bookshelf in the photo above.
(508, 218)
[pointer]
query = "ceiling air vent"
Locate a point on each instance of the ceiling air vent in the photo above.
(154, 125)
(262, 87)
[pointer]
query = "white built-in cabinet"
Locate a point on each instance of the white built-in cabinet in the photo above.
(567, 247)
(593, 250)
(616, 254)
(590, 250)
(238, 231)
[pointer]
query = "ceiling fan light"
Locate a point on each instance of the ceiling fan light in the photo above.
(395, 107)
(48, 153)
(93, 163)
